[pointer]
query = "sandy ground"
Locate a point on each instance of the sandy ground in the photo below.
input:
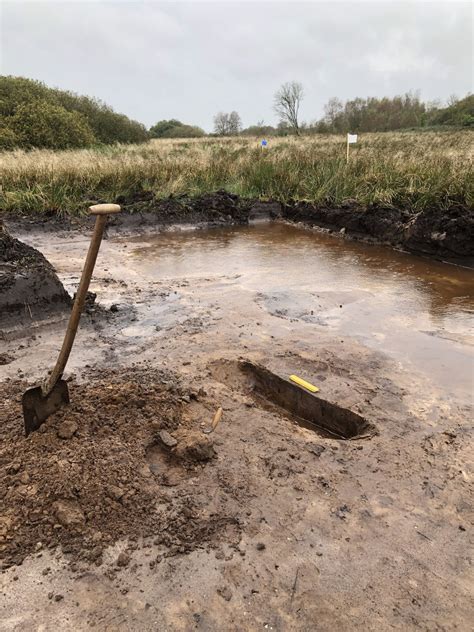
(371, 534)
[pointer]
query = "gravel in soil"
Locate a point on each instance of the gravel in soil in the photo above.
(98, 470)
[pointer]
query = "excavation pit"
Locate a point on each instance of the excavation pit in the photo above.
(307, 409)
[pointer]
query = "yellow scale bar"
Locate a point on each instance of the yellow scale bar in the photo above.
(304, 384)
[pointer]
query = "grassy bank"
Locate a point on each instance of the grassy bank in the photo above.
(410, 170)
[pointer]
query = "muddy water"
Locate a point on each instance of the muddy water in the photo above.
(418, 311)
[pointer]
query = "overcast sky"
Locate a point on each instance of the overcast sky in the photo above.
(188, 60)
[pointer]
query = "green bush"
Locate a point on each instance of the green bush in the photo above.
(175, 129)
(41, 124)
(459, 113)
(105, 125)
(8, 139)
(108, 126)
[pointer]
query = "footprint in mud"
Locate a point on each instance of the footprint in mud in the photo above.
(291, 305)
(308, 307)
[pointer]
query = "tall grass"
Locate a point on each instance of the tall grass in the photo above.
(411, 170)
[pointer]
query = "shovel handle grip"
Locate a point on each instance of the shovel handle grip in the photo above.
(101, 211)
(104, 209)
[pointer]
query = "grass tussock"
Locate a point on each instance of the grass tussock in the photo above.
(410, 170)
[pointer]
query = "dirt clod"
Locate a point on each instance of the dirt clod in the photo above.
(24, 478)
(123, 559)
(167, 439)
(225, 592)
(67, 429)
(195, 447)
(68, 514)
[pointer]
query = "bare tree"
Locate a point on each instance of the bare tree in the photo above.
(332, 110)
(227, 124)
(235, 123)
(287, 103)
(221, 123)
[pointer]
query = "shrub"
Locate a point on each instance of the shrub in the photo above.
(105, 125)
(8, 139)
(41, 124)
(460, 113)
(175, 129)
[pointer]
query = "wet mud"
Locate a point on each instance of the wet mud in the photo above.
(29, 286)
(436, 232)
(123, 512)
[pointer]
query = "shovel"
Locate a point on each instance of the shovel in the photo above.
(41, 401)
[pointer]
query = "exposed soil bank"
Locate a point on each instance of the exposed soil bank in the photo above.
(435, 232)
(28, 283)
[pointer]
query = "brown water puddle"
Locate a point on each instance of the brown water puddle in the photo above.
(416, 310)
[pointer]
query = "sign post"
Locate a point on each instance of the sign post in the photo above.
(351, 139)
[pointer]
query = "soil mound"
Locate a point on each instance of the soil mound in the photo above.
(28, 284)
(99, 470)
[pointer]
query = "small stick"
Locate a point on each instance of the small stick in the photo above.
(215, 421)
(294, 583)
(217, 418)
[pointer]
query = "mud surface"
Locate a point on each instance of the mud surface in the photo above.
(29, 287)
(264, 523)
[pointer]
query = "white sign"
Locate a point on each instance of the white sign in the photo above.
(351, 138)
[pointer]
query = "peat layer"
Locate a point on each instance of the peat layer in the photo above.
(436, 232)
(28, 283)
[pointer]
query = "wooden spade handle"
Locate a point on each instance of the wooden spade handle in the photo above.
(101, 211)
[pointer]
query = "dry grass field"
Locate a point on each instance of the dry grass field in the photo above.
(410, 170)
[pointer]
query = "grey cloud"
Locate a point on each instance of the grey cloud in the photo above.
(188, 60)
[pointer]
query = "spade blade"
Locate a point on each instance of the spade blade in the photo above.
(38, 407)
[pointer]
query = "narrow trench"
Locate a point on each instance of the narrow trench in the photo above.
(305, 408)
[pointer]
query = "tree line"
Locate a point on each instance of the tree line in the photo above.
(357, 115)
(363, 115)
(33, 115)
